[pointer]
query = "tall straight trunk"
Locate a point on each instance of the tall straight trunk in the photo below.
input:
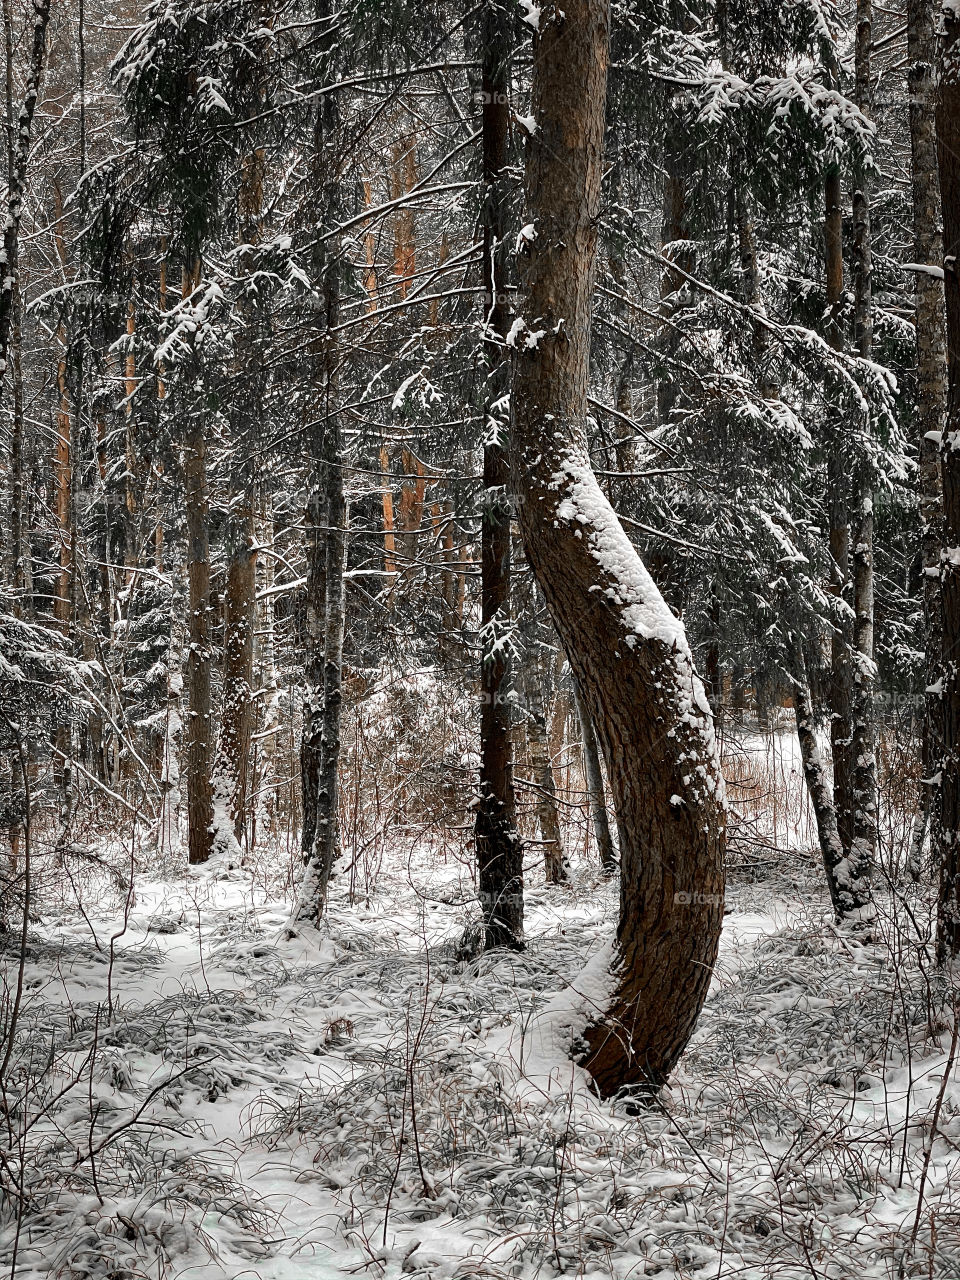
(231, 774)
(862, 762)
(268, 691)
(199, 735)
(848, 875)
(628, 651)
(674, 233)
(389, 526)
(499, 850)
(326, 567)
(20, 574)
(131, 551)
(593, 777)
(839, 518)
(818, 784)
(536, 657)
(18, 181)
(930, 404)
(948, 157)
(63, 489)
(169, 839)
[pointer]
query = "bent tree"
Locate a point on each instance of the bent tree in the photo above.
(628, 652)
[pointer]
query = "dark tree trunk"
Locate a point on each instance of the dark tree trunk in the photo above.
(628, 652)
(593, 777)
(948, 155)
(326, 566)
(499, 850)
(849, 877)
(930, 401)
(536, 658)
(239, 615)
(231, 781)
(199, 734)
(18, 181)
(862, 762)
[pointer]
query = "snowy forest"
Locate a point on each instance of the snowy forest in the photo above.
(480, 639)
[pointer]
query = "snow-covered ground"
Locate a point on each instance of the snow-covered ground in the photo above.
(211, 1099)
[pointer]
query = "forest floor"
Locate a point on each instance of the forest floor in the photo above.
(212, 1099)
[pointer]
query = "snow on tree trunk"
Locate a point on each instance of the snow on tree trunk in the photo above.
(499, 850)
(20, 158)
(862, 764)
(930, 402)
(266, 780)
(948, 155)
(327, 519)
(199, 735)
(169, 836)
(628, 651)
(819, 787)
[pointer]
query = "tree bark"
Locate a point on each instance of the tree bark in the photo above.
(199, 734)
(819, 789)
(593, 777)
(18, 181)
(848, 878)
(862, 763)
(231, 779)
(499, 850)
(556, 869)
(326, 567)
(629, 653)
(948, 157)
(930, 404)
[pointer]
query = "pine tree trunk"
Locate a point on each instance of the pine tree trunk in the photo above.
(233, 753)
(18, 181)
(266, 666)
(20, 555)
(862, 763)
(848, 879)
(819, 789)
(930, 402)
(596, 795)
(628, 652)
(199, 735)
(555, 867)
(948, 155)
(499, 850)
(169, 837)
(232, 772)
(326, 568)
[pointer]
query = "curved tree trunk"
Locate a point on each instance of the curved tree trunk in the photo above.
(628, 651)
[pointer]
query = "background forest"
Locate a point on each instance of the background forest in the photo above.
(314, 780)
